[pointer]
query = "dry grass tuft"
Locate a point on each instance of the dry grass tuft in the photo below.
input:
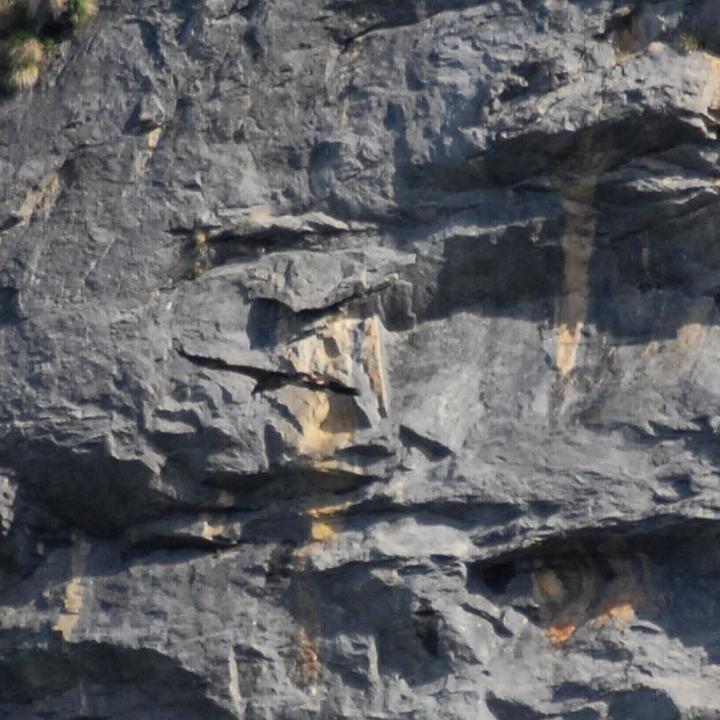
(22, 57)
(24, 78)
(27, 27)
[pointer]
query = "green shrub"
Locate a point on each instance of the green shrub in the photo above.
(81, 11)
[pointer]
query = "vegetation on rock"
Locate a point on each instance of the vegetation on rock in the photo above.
(81, 11)
(27, 27)
(22, 56)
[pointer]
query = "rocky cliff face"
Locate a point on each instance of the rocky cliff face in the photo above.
(359, 359)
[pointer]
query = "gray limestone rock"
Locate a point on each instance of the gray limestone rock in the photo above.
(360, 360)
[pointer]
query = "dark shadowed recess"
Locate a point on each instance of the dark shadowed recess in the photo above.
(521, 161)
(9, 312)
(86, 487)
(591, 150)
(663, 568)
(97, 680)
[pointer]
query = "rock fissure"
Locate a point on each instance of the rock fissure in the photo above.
(267, 379)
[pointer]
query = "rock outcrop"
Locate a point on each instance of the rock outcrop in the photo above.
(359, 359)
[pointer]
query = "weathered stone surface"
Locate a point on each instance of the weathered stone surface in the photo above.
(359, 360)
